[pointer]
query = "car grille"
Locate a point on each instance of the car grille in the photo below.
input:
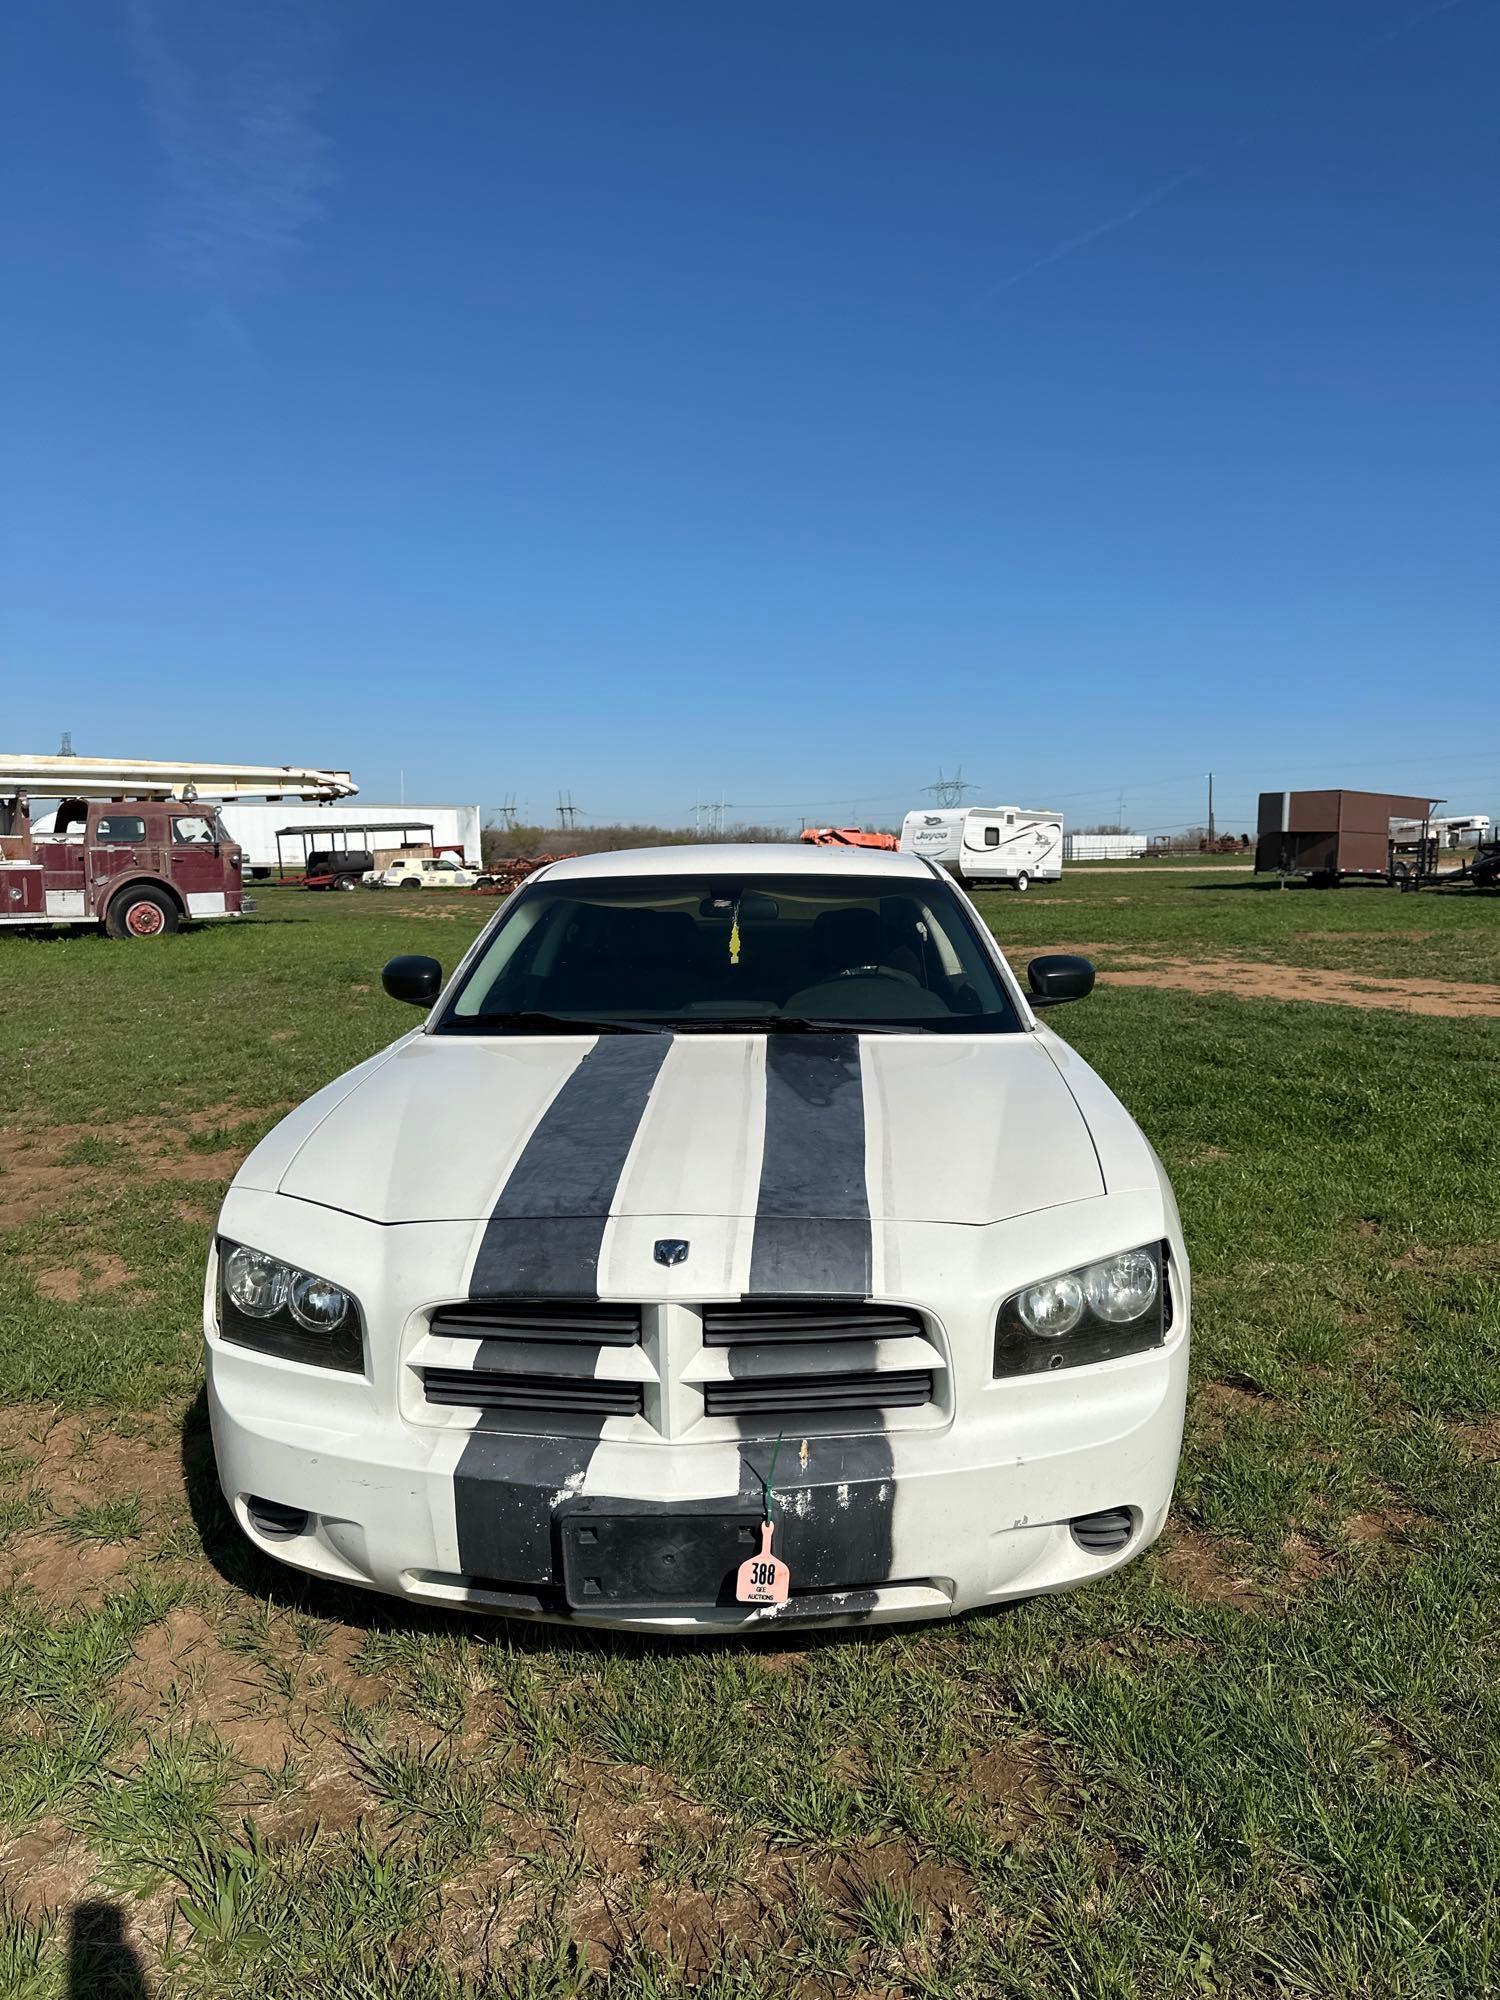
(565, 1365)
(864, 1390)
(814, 1358)
(561, 1360)
(747, 1321)
(564, 1319)
(549, 1393)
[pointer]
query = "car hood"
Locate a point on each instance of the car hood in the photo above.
(920, 1128)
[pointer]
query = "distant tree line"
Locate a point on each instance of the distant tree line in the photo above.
(509, 843)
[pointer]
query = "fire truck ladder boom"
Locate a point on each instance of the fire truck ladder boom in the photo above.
(153, 778)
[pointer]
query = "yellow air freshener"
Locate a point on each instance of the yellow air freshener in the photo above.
(734, 935)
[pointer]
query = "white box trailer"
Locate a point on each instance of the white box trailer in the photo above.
(1103, 846)
(1015, 845)
(255, 827)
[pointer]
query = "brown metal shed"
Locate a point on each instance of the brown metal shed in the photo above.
(1332, 833)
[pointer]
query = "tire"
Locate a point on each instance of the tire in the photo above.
(1023, 883)
(141, 912)
(345, 882)
(410, 882)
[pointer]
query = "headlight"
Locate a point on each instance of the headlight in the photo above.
(1053, 1308)
(1118, 1290)
(317, 1304)
(278, 1308)
(1119, 1305)
(256, 1283)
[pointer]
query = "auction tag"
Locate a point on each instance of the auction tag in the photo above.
(763, 1579)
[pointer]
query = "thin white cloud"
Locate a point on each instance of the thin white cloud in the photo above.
(1148, 201)
(1126, 216)
(1413, 21)
(231, 93)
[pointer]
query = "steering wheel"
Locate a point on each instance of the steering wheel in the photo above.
(874, 972)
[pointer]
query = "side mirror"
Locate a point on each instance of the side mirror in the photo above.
(419, 980)
(1058, 977)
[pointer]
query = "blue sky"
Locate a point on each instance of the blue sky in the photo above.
(671, 401)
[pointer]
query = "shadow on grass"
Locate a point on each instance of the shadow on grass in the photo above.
(246, 1568)
(102, 1964)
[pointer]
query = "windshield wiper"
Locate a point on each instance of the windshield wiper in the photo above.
(781, 1024)
(529, 1021)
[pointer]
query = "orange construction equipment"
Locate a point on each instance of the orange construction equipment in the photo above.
(848, 836)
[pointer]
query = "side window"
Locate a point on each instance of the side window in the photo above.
(992, 836)
(119, 830)
(192, 830)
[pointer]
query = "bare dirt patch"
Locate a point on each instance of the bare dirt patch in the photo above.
(63, 1573)
(1216, 1405)
(1382, 1524)
(932, 1885)
(45, 1872)
(1449, 1257)
(1482, 1439)
(331, 1802)
(83, 1460)
(42, 1173)
(102, 1271)
(181, 1677)
(1010, 1777)
(1373, 937)
(1306, 1563)
(1200, 1568)
(1247, 980)
(38, 1192)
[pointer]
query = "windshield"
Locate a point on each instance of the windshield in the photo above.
(763, 953)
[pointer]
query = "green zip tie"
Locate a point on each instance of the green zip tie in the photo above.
(765, 1484)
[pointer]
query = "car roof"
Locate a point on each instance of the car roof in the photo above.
(744, 857)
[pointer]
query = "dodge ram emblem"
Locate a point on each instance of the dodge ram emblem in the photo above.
(671, 1250)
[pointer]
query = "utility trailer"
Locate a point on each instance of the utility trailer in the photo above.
(135, 846)
(1331, 837)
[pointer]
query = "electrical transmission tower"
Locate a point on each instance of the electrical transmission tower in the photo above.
(507, 813)
(65, 748)
(567, 812)
(708, 818)
(950, 791)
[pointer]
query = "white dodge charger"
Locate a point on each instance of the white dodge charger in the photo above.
(730, 1245)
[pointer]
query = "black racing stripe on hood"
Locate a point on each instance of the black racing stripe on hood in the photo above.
(834, 1516)
(544, 1236)
(505, 1489)
(812, 1222)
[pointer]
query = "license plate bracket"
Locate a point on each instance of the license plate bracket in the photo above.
(657, 1561)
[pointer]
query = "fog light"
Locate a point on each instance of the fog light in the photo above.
(1103, 1534)
(276, 1522)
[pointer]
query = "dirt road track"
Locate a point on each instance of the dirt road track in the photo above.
(1249, 979)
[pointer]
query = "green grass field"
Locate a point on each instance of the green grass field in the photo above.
(1261, 1761)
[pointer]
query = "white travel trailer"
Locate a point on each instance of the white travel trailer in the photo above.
(1018, 845)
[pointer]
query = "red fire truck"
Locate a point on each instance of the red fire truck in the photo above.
(136, 847)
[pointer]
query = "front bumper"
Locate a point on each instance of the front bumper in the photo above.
(972, 1514)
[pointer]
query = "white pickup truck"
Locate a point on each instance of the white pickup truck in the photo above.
(422, 871)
